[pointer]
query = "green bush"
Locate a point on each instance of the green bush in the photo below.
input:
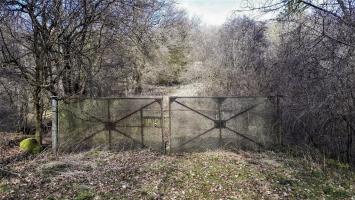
(30, 145)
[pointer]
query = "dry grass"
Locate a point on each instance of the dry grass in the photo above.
(146, 175)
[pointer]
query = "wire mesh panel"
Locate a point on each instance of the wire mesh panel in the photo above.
(199, 124)
(112, 123)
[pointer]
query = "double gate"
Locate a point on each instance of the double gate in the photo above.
(178, 124)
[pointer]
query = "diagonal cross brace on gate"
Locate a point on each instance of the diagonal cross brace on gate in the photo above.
(219, 123)
(109, 124)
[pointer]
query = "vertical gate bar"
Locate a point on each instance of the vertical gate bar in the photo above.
(162, 125)
(220, 122)
(55, 124)
(109, 129)
(170, 145)
(142, 128)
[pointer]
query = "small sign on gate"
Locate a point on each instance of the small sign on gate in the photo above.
(152, 121)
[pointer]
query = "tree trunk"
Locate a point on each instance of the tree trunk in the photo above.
(138, 88)
(38, 114)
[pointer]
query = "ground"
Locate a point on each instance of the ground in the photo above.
(143, 174)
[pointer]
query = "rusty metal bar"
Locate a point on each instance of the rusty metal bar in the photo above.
(214, 97)
(126, 135)
(132, 113)
(243, 136)
(242, 112)
(109, 130)
(106, 98)
(219, 121)
(196, 137)
(86, 120)
(90, 136)
(195, 111)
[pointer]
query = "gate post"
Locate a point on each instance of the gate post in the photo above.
(171, 100)
(160, 101)
(54, 100)
(142, 127)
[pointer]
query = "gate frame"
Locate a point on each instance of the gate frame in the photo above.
(108, 125)
(220, 123)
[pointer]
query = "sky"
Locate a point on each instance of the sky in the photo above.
(215, 12)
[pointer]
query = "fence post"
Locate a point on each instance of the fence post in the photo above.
(54, 100)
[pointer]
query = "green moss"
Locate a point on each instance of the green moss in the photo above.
(30, 145)
(4, 188)
(84, 195)
(83, 192)
(335, 192)
(337, 164)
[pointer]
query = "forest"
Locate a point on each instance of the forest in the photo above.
(305, 55)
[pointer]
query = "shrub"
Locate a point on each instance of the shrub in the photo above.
(30, 145)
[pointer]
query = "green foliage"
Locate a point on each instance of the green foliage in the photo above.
(176, 64)
(170, 75)
(337, 164)
(30, 145)
(335, 192)
(177, 55)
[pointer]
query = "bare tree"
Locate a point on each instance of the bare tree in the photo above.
(50, 44)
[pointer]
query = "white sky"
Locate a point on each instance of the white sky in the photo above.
(215, 12)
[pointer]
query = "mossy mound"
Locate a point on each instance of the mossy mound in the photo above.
(30, 145)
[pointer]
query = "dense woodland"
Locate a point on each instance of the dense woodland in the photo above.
(98, 48)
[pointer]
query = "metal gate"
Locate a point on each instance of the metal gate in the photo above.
(193, 123)
(111, 123)
(205, 123)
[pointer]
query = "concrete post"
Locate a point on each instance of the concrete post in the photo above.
(55, 127)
